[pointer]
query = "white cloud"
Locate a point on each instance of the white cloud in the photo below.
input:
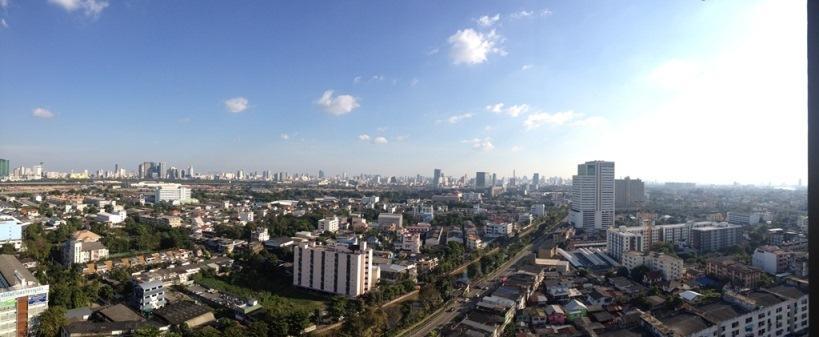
(526, 67)
(42, 113)
(400, 138)
(3, 23)
(479, 144)
(432, 51)
(546, 12)
(4, 3)
(89, 7)
(472, 47)
(539, 119)
(357, 79)
(516, 148)
(487, 21)
(380, 140)
(458, 118)
(521, 14)
(284, 136)
(338, 105)
(364, 137)
(236, 104)
(512, 111)
(589, 121)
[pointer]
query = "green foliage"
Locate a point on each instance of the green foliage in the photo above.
(51, 321)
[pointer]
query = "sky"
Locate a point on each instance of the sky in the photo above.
(697, 91)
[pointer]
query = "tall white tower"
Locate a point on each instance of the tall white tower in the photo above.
(593, 196)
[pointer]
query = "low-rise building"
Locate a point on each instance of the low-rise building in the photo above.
(328, 225)
(82, 247)
(672, 267)
(149, 295)
(22, 298)
(771, 259)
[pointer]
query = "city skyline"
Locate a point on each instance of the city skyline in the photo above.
(397, 91)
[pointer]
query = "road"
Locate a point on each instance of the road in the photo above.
(455, 307)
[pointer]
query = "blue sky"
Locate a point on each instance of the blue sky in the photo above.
(706, 91)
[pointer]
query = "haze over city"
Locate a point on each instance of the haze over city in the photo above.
(701, 91)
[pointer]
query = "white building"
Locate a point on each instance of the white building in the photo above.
(246, 215)
(593, 196)
(739, 218)
(340, 269)
(259, 234)
(82, 247)
(173, 193)
(671, 267)
(625, 239)
(149, 295)
(498, 229)
(411, 242)
(11, 233)
(22, 299)
(328, 225)
(771, 259)
(111, 218)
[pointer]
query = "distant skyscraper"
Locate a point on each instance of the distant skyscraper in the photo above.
(480, 180)
(160, 170)
(494, 180)
(190, 171)
(321, 174)
(4, 167)
(593, 195)
(436, 178)
(629, 193)
(536, 179)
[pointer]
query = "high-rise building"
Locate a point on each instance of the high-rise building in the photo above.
(22, 299)
(190, 171)
(173, 193)
(494, 180)
(629, 194)
(160, 170)
(480, 180)
(593, 196)
(340, 269)
(4, 168)
(714, 237)
(536, 179)
(436, 177)
(321, 174)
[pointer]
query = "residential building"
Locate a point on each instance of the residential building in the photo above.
(727, 268)
(328, 224)
(246, 215)
(498, 229)
(11, 233)
(82, 247)
(410, 242)
(672, 267)
(742, 218)
(629, 194)
(714, 237)
(390, 221)
(22, 299)
(593, 196)
(437, 175)
(340, 269)
(433, 237)
(111, 218)
(260, 234)
(538, 210)
(624, 239)
(771, 259)
(149, 295)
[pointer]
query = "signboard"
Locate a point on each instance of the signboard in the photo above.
(38, 299)
(13, 294)
(8, 304)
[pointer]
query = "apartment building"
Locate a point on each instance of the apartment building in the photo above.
(771, 259)
(82, 247)
(498, 229)
(340, 269)
(328, 225)
(727, 268)
(672, 267)
(149, 295)
(714, 237)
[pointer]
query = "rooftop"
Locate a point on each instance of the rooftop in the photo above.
(181, 312)
(14, 274)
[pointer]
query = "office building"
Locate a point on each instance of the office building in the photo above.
(4, 168)
(340, 269)
(536, 179)
(593, 196)
(714, 237)
(172, 193)
(436, 177)
(22, 299)
(629, 194)
(671, 267)
(328, 225)
(149, 296)
(481, 180)
(744, 219)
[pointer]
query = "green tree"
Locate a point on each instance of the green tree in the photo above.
(51, 321)
(146, 331)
